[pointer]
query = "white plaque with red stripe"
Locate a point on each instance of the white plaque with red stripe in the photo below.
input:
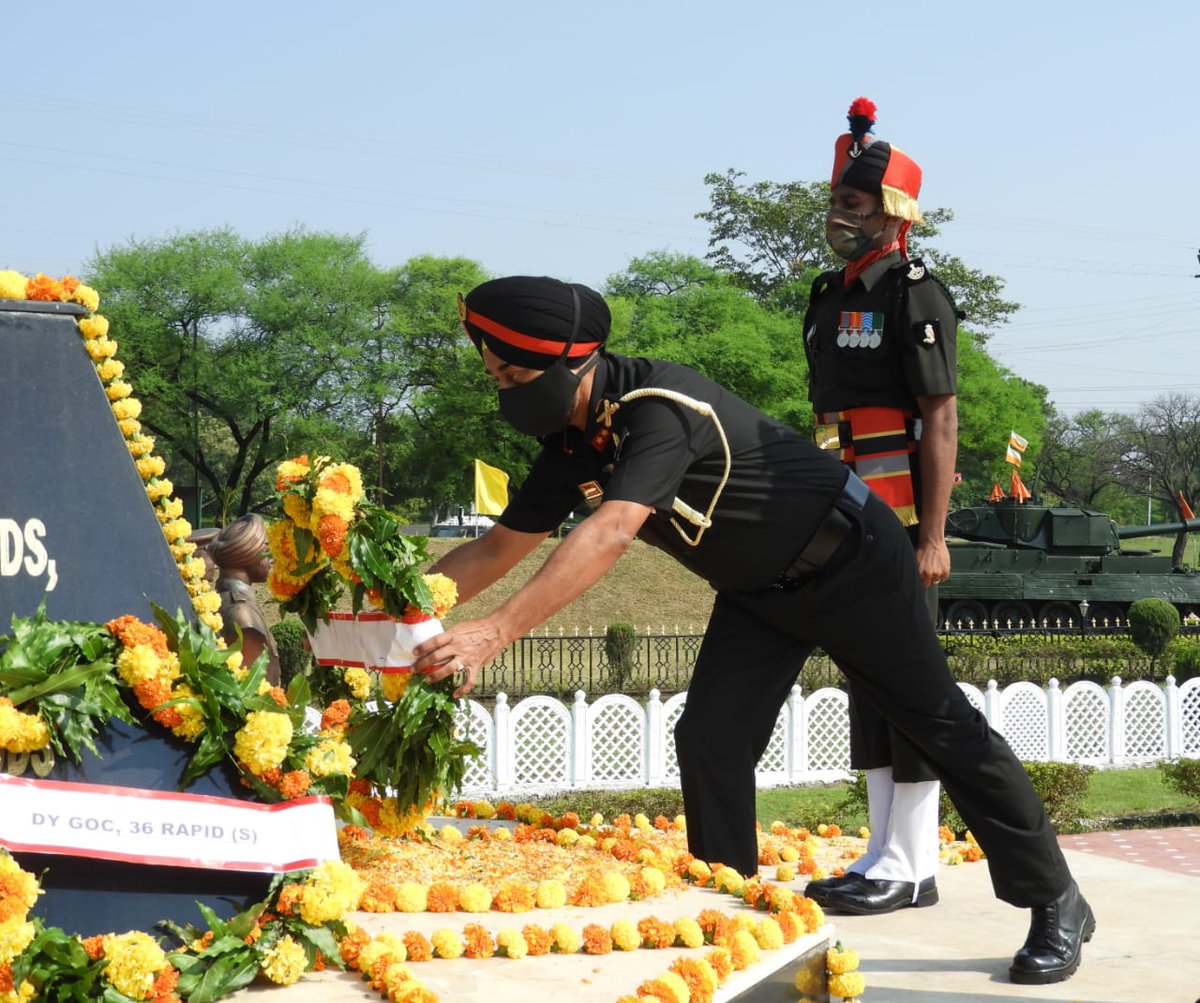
(165, 828)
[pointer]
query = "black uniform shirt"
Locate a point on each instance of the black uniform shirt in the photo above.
(884, 342)
(780, 485)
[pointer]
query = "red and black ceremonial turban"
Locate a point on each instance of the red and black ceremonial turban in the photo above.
(876, 167)
(528, 320)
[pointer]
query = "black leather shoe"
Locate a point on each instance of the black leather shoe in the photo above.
(818, 890)
(870, 896)
(1055, 942)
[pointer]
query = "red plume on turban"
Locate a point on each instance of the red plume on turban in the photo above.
(876, 167)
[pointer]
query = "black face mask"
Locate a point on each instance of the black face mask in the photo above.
(543, 406)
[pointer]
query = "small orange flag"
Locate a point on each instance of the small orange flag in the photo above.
(1185, 508)
(1021, 493)
(997, 494)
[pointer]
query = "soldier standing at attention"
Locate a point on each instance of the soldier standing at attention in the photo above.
(880, 339)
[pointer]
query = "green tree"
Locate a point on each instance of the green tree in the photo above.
(237, 348)
(770, 237)
(677, 308)
(1081, 460)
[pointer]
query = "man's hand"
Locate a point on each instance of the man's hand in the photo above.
(466, 647)
(933, 561)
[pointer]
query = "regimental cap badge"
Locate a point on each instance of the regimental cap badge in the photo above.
(916, 271)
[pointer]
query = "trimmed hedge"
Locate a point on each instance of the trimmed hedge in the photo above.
(1182, 776)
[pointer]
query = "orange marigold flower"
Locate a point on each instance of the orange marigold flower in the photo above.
(481, 832)
(506, 810)
(336, 715)
(768, 856)
(656, 933)
(331, 531)
(596, 939)
(537, 939)
(464, 809)
(477, 941)
(6, 980)
(163, 987)
(443, 897)
(722, 963)
(93, 947)
(351, 945)
(569, 821)
(44, 289)
(791, 925)
(288, 899)
(277, 694)
(272, 777)
(380, 894)
(513, 896)
(832, 831)
(623, 822)
(624, 849)
(418, 948)
(682, 863)
(590, 892)
(70, 284)
(657, 989)
(131, 632)
(700, 977)
(294, 784)
(717, 927)
(662, 823)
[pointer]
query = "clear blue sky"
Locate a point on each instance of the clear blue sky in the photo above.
(565, 139)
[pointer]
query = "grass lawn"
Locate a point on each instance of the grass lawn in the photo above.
(1112, 794)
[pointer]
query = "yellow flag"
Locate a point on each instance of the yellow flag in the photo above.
(491, 489)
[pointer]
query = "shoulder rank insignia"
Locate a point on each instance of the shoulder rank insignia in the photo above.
(605, 411)
(916, 271)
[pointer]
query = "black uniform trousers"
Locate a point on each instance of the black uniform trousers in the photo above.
(866, 608)
(873, 742)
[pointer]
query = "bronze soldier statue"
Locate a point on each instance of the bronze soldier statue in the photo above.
(240, 554)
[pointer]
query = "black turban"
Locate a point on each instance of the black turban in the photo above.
(528, 320)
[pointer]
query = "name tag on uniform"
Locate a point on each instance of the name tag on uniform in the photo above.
(859, 329)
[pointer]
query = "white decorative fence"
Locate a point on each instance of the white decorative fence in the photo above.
(542, 744)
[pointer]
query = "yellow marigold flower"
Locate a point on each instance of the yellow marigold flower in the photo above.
(485, 809)
(810, 981)
(129, 427)
(625, 936)
(329, 892)
(642, 822)
(86, 297)
(688, 933)
(444, 591)
(394, 685)
(210, 619)
(567, 837)
(839, 960)
(110, 370)
(134, 961)
(450, 834)
(848, 985)
(139, 664)
(326, 502)
(743, 948)
(284, 963)
(864, 832)
(20, 733)
(674, 985)
(769, 934)
(386, 946)
(597, 820)
(358, 682)
(566, 940)
(176, 530)
(512, 943)
(343, 479)
(616, 886)
(330, 757)
(655, 880)
(16, 934)
(789, 855)
(118, 390)
(139, 446)
(262, 743)
(726, 879)
(207, 602)
(502, 835)
(550, 894)
(475, 898)
(781, 898)
(93, 328)
(298, 510)
(130, 407)
(447, 944)
(161, 488)
(150, 467)
(12, 285)
(411, 897)
(699, 872)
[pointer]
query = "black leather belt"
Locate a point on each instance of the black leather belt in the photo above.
(823, 544)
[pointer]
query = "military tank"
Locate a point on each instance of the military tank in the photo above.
(1017, 564)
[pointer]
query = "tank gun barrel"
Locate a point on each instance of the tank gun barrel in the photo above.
(1159, 529)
